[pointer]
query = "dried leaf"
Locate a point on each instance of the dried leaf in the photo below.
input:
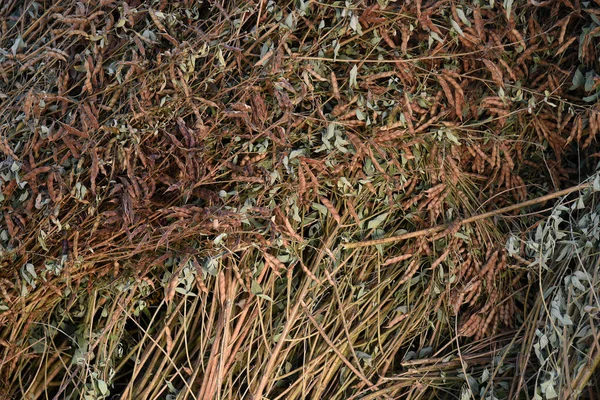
(495, 71)
(332, 209)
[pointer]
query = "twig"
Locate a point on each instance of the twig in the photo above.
(474, 218)
(337, 351)
(291, 321)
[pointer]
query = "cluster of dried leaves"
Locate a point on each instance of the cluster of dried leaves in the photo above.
(179, 181)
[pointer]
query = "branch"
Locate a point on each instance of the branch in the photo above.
(474, 218)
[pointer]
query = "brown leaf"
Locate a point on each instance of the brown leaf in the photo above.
(94, 170)
(495, 71)
(332, 209)
(34, 172)
(459, 97)
(29, 99)
(446, 89)
(264, 59)
(399, 318)
(74, 131)
(71, 145)
(289, 227)
(479, 24)
(10, 226)
(156, 20)
(440, 259)
(222, 279)
(88, 75)
(566, 45)
(259, 110)
(170, 289)
(127, 205)
(334, 86)
(169, 340)
(397, 259)
(302, 183)
(277, 265)
(185, 131)
(91, 116)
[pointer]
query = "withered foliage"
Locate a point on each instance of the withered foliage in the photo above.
(178, 179)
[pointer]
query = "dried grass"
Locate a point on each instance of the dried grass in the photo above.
(204, 199)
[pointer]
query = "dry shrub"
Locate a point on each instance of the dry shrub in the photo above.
(179, 180)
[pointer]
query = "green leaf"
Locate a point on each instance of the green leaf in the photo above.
(355, 25)
(578, 80)
(221, 58)
(80, 191)
(220, 238)
(336, 49)
(456, 27)
(185, 292)
(591, 98)
(597, 183)
(463, 17)
(211, 266)
(435, 36)
(19, 43)
(264, 297)
(451, 137)
(102, 387)
(367, 358)
(353, 74)
(461, 236)
(29, 274)
(255, 288)
(171, 387)
(590, 82)
(548, 389)
(485, 375)
(339, 144)
(466, 394)
(320, 208)
(543, 342)
(359, 115)
(375, 222)
(290, 21)
(508, 7)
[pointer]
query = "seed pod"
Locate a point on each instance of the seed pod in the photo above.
(411, 270)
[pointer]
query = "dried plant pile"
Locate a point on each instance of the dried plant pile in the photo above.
(181, 183)
(561, 334)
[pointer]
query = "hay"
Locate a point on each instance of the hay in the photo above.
(182, 184)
